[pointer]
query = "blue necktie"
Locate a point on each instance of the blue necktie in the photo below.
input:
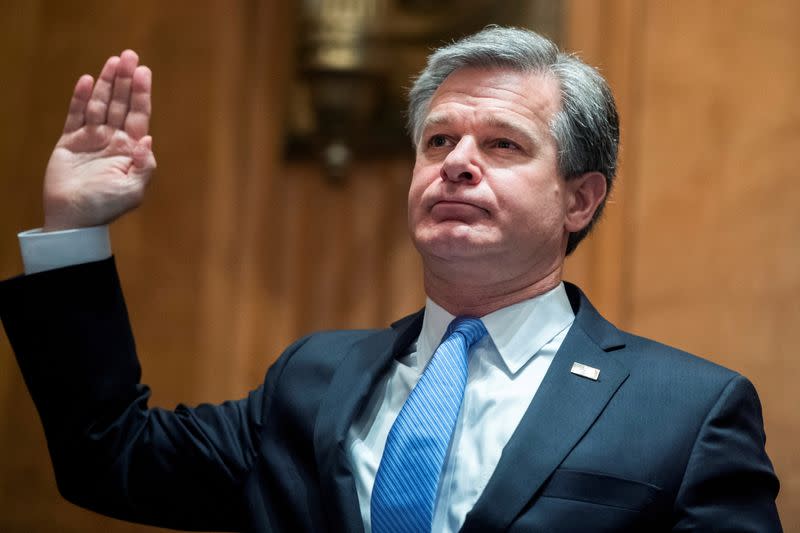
(408, 477)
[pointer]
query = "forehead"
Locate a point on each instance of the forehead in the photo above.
(489, 94)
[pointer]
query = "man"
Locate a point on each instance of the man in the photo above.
(509, 403)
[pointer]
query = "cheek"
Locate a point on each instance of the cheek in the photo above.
(414, 211)
(532, 204)
(420, 181)
(414, 194)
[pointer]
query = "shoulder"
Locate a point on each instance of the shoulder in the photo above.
(328, 366)
(649, 362)
(643, 354)
(319, 353)
(326, 349)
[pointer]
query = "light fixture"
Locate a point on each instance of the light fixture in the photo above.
(355, 61)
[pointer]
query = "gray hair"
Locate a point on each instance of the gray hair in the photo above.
(586, 129)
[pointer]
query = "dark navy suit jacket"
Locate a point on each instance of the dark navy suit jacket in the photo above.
(661, 441)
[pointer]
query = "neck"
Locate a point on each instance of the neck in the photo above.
(461, 294)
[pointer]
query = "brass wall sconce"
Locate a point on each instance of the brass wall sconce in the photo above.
(355, 61)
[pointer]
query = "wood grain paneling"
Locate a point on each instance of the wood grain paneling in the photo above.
(607, 35)
(701, 250)
(716, 223)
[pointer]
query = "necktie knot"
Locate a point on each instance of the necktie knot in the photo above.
(470, 327)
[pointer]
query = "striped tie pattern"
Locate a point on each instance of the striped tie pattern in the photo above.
(408, 476)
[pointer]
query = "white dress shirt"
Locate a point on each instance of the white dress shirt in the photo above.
(55, 249)
(506, 368)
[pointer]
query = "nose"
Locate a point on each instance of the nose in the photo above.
(461, 164)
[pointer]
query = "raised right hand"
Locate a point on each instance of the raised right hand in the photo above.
(103, 161)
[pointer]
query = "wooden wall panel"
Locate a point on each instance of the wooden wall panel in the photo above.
(607, 35)
(701, 249)
(16, 67)
(717, 262)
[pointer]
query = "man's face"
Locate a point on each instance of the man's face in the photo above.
(486, 189)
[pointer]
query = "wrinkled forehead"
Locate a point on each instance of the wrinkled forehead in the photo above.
(495, 97)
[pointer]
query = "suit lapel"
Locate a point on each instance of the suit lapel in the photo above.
(349, 389)
(563, 409)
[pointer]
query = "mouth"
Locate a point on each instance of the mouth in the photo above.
(457, 210)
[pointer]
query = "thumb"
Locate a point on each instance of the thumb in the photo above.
(144, 161)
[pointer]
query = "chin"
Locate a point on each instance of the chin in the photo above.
(447, 245)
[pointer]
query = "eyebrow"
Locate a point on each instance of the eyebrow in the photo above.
(443, 119)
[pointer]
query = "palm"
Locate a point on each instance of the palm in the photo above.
(103, 160)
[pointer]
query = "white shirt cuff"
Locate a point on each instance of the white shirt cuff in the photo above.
(57, 249)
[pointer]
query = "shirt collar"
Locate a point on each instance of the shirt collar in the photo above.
(518, 331)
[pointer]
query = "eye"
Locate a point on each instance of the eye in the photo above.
(505, 144)
(437, 141)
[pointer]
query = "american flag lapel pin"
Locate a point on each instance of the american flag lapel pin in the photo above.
(586, 371)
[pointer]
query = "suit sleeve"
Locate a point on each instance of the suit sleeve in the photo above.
(182, 469)
(729, 483)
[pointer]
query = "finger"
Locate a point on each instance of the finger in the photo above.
(97, 107)
(137, 121)
(77, 105)
(121, 95)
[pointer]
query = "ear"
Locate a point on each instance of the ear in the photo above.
(584, 194)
